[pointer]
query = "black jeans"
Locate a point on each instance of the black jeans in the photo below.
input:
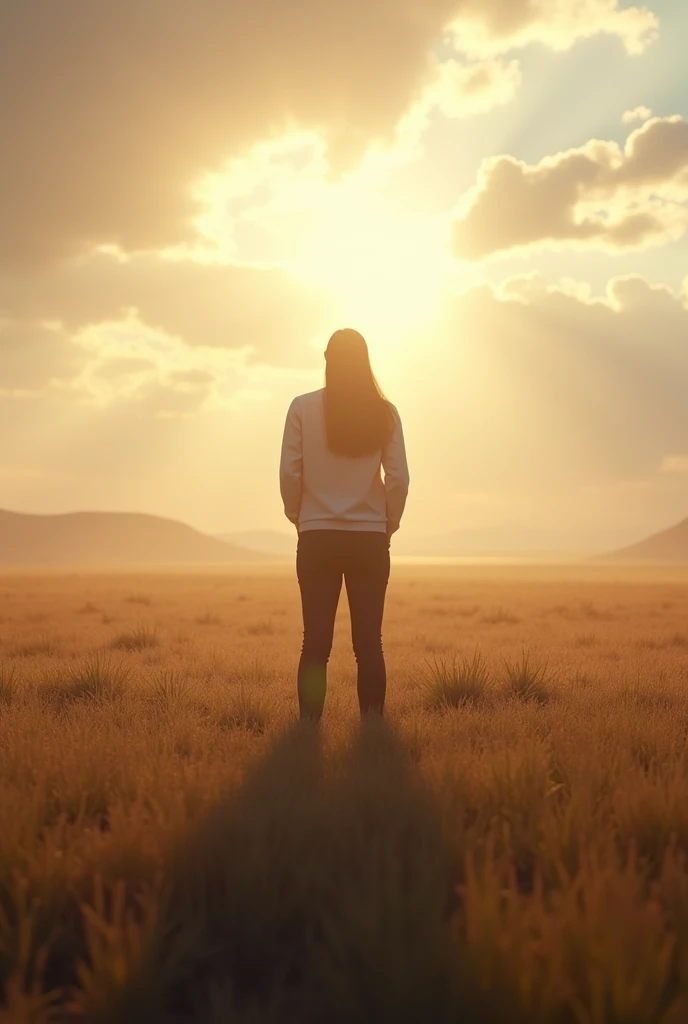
(323, 559)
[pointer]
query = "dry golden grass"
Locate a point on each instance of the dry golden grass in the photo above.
(509, 844)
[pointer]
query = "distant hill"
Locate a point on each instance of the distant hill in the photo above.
(106, 538)
(277, 543)
(667, 546)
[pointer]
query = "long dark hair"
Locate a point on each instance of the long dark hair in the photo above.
(358, 417)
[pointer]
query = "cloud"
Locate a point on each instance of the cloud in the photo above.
(461, 89)
(129, 365)
(495, 24)
(169, 397)
(34, 355)
(265, 310)
(144, 387)
(598, 195)
(113, 111)
(178, 393)
(191, 378)
(637, 114)
(123, 366)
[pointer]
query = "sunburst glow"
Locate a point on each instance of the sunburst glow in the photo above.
(384, 269)
(382, 265)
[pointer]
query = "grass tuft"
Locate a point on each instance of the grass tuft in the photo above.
(649, 696)
(138, 639)
(451, 683)
(8, 684)
(89, 608)
(467, 612)
(585, 640)
(265, 627)
(527, 679)
(245, 711)
(170, 688)
(98, 679)
(499, 616)
(208, 619)
(42, 645)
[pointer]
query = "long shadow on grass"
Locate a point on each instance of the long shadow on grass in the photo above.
(317, 893)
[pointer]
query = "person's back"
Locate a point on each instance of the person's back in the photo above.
(336, 443)
(323, 490)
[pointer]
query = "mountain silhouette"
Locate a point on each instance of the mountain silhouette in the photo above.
(666, 546)
(108, 537)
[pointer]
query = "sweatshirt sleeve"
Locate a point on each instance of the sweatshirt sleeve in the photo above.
(396, 471)
(291, 464)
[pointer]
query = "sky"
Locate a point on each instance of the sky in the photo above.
(194, 194)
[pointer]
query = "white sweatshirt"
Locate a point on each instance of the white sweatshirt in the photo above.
(323, 491)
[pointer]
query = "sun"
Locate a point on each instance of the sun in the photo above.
(384, 268)
(382, 262)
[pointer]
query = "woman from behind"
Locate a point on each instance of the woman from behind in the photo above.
(337, 443)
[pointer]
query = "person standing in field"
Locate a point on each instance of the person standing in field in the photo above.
(336, 442)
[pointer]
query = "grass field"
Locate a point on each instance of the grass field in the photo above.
(508, 844)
